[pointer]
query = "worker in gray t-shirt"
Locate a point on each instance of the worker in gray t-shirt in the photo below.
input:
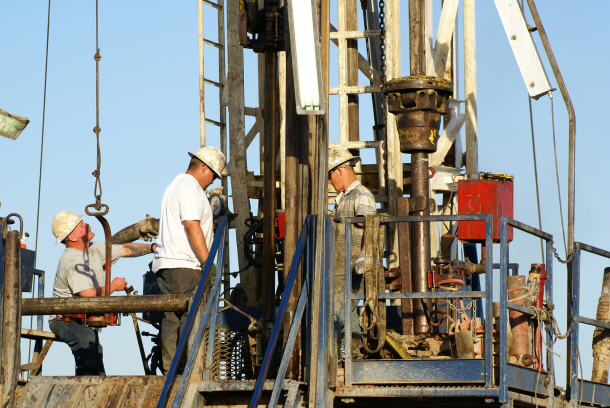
(80, 273)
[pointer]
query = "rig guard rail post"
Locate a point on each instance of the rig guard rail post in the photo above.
(591, 392)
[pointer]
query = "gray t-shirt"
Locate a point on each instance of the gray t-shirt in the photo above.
(78, 271)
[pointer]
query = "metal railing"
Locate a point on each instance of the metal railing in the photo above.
(579, 390)
(308, 231)
(469, 371)
(515, 376)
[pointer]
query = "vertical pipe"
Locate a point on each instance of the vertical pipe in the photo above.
(404, 252)
(11, 322)
(573, 389)
(269, 201)
(470, 90)
(417, 9)
(420, 236)
(420, 193)
(293, 201)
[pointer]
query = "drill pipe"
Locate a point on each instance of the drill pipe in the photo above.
(420, 235)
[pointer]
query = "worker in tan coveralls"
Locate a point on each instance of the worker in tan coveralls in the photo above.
(353, 200)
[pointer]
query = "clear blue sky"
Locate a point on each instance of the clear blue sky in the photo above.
(149, 115)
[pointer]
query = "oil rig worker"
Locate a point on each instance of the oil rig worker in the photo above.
(185, 238)
(80, 273)
(353, 200)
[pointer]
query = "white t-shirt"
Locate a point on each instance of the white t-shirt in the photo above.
(183, 200)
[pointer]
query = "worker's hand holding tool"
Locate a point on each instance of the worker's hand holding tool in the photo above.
(359, 268)
(118, 284)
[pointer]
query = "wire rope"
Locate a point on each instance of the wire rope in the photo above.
(44, 109)
(536, 175)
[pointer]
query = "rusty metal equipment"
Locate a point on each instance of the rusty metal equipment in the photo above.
(601, 337)
(107, 319)
(418, 102)
(536, 282)
(520, 351)
(10, 328)
(266, 26)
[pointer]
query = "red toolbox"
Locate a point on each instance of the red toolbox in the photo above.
(495, 197)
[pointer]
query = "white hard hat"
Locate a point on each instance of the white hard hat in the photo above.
(64, 223)
(213, 158)
(339, 156)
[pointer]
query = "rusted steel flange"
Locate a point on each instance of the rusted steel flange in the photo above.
(418, 103)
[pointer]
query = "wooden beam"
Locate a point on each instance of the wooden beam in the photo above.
(105, 304)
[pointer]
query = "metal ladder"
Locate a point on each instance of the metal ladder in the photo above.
(223, 99)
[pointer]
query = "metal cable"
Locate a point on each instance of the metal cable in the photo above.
(536, 175)
(97, 57)
(565, 247)
(44, 109)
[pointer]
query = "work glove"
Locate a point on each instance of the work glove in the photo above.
(359, 267)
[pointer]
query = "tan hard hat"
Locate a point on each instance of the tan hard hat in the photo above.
(339, 156)
(213, 158)
(64, 223)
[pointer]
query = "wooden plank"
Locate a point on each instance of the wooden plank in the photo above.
(37, 334)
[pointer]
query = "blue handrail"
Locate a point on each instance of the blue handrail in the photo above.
(294, 267)
(217, 248)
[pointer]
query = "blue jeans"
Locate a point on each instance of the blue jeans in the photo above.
(84, 343)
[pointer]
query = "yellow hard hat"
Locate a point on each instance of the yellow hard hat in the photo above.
(339, 156)
(64, 223)
(213, 158)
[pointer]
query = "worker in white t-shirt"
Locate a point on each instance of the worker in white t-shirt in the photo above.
(185, 238)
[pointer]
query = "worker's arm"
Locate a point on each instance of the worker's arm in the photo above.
(196, 239)
(116, 285)
(133, 250)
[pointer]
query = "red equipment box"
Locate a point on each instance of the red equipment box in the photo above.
(493, 197)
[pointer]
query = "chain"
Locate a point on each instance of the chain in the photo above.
(382, 38)
(96, 173)
(568, 259)
(462, 310)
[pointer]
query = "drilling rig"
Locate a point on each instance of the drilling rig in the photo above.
(442, 321)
